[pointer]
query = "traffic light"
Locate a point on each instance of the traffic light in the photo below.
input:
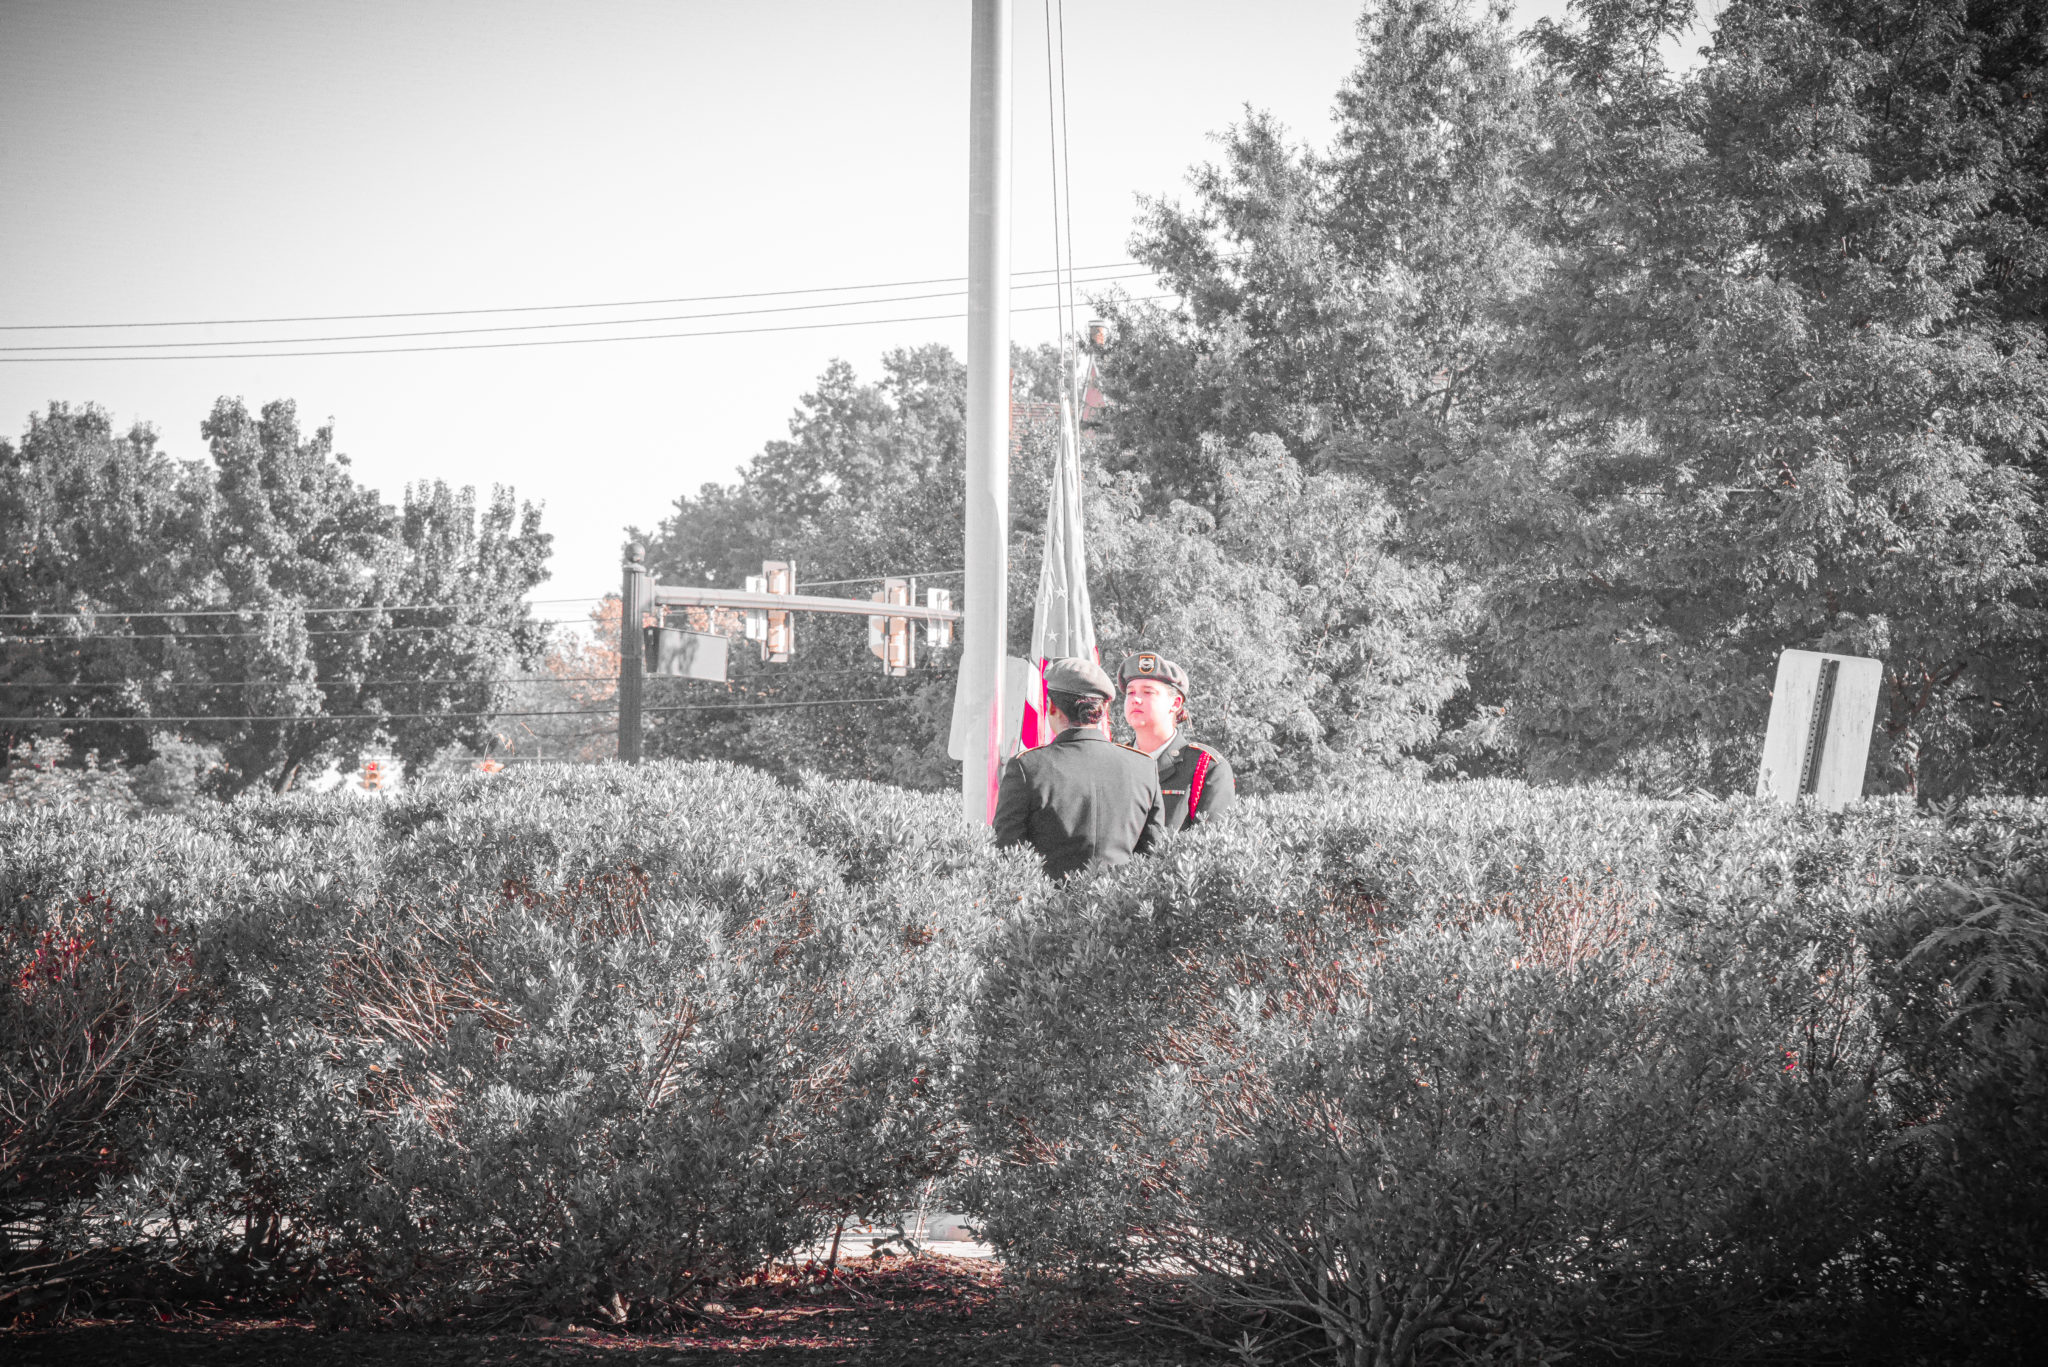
(778, 638)
(938, 634)
(372, 778)
(891, 638)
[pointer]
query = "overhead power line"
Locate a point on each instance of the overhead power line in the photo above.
(451, 716)
(532, 327)
(312, 683)
(508, 680)
(541, 308)
(79, 614)
(244, 635)
(877, 578)
(534, 342)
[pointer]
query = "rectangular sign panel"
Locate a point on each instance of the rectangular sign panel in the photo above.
(686, 654)
(1823, 709)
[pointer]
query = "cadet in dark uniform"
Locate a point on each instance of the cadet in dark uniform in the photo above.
(1083, 801)
(1195, 781)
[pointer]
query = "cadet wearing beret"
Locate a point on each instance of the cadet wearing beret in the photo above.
(1195, 781)
(1083, 801)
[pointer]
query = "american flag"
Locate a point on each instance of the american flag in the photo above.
(1062, 623)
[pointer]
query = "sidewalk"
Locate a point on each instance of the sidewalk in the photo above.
(944, 1233)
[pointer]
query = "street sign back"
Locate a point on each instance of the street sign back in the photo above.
(686, 654)
(1823, 709)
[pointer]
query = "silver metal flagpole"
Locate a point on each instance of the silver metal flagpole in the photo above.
(986, 632)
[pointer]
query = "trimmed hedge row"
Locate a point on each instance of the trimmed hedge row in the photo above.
(1415, 1073)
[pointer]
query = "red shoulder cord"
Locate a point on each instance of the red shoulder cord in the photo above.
(1195, 783)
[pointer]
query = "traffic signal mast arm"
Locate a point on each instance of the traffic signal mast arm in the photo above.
(668, 597)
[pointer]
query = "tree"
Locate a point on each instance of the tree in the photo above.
(869, 483)
(297, 647)
(1779, 389)
(1316, 652)
(1350, 295)
(92, 520)
(1678, 371)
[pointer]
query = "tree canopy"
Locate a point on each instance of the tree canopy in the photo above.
(1315, 651)
(1674, 369)
(287, 614)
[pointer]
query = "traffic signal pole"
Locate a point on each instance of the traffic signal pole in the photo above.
(986, 627)
(634, 600)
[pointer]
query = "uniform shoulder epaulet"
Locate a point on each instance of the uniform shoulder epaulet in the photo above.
(1132, 748)
(1197, 745)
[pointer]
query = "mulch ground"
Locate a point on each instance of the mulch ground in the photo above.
(888, 1310)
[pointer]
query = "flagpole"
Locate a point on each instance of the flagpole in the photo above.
(986, 628)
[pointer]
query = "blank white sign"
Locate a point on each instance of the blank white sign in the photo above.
(1817, 746)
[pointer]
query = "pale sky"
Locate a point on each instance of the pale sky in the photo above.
(232, 159)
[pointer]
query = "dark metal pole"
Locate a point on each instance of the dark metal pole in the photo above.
(633, 598)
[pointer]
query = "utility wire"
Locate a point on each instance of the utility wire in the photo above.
(244, 635)
(534, 327)
(513, 680)
(79, 614)
(417, 716)
(315, 683)
(539, 308)
(536, 342)
(877, 578)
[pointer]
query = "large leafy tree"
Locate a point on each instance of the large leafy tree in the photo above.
(1342, 295)
(1679, 369)
(1782, 385)
(250, 554)
(1315, 651)
(869, 482)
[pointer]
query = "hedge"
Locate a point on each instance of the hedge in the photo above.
(1414, 1073)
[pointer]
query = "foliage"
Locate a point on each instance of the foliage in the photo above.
(584, 1040)
(100, 526)
(1477, 1071)
(579, 674)
(1350, 293)
(1680, 370)
(1316, 652)
(868, 484)
(1786, 398)
(1424, 1070)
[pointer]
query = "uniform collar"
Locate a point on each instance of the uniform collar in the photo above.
(1170, 752)
(1079, 733)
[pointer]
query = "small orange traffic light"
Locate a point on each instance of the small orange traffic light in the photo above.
(373, 775)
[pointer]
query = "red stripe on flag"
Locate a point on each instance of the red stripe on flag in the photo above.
(995, 759)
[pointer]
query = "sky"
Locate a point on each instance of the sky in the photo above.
(174, 162)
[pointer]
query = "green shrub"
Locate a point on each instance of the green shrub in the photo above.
(1473, 1070)
(584, 1039)
(1421, 1072)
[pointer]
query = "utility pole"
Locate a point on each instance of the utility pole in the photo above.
(985, 638)
(632, 669)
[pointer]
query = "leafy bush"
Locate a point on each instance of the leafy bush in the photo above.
(1419, 1072)
(1479, 1070)
(586, 1040)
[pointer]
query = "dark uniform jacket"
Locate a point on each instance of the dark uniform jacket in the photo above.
(1177, 774)
(1082, 802)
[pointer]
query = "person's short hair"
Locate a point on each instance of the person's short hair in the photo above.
(1080, 709)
